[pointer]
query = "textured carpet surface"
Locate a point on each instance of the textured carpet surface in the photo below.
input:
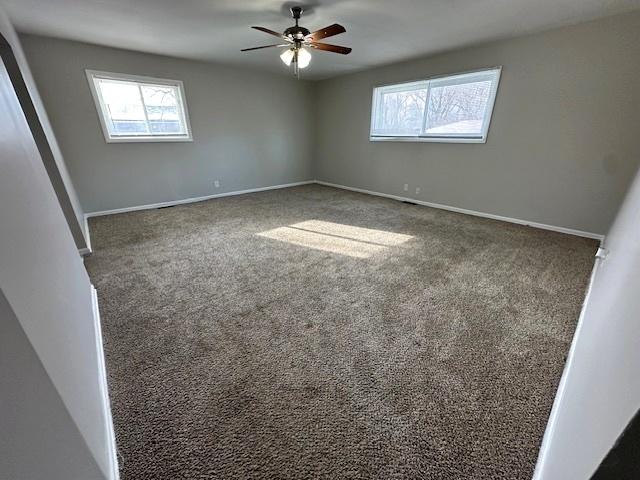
(317, 333)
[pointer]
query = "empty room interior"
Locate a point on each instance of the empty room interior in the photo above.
(330, 239)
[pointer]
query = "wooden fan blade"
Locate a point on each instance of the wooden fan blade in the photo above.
(331, 48)
(265, 46)
(325, 32)
(270, 32)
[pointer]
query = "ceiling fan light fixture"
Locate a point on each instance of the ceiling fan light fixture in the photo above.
(299, 40)
(287, 56)
(304, 58)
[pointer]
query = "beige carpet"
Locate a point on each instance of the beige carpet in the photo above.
(314, 333)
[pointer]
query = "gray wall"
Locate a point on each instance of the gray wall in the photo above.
(600, 389)
(250, 129)
(561, 150)
(562, 147)
(39, 439)
(52, 156)
(43, 279)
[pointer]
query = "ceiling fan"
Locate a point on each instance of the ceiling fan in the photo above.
(296, 38)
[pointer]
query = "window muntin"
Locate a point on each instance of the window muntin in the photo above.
(454, 108)
(133, 108)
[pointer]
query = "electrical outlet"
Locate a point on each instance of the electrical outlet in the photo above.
(417, 190)
(216, 183)
(406, 187)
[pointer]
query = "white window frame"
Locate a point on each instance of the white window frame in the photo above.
(444, 138)
(102, 111)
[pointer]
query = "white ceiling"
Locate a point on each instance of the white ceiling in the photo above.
(379, 31)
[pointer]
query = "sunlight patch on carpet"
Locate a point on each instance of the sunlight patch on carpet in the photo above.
(338, 238)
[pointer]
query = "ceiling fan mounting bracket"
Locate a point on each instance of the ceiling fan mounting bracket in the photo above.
(296, 33)
(296, 12)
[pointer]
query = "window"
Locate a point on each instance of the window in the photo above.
(454, 108)
(140, 109)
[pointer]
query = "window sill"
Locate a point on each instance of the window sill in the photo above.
(428, 139)
(157, 139)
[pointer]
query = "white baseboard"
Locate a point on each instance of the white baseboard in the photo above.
(110, 441)
(87, 238)
(87, 235)
(543, 226)
(518, 221)
(539, 472)
(183, 201)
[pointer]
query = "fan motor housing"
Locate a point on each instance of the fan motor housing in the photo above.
(296, 33)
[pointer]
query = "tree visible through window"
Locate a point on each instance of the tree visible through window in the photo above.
(402, 111)
(139, 108)
(454, 107)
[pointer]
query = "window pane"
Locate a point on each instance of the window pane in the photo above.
(400, 112)
(163, 110)
(457, 109)
(124, 107)
(138, 109)
(452, 107)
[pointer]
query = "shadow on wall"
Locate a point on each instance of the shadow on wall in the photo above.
(623, 460)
